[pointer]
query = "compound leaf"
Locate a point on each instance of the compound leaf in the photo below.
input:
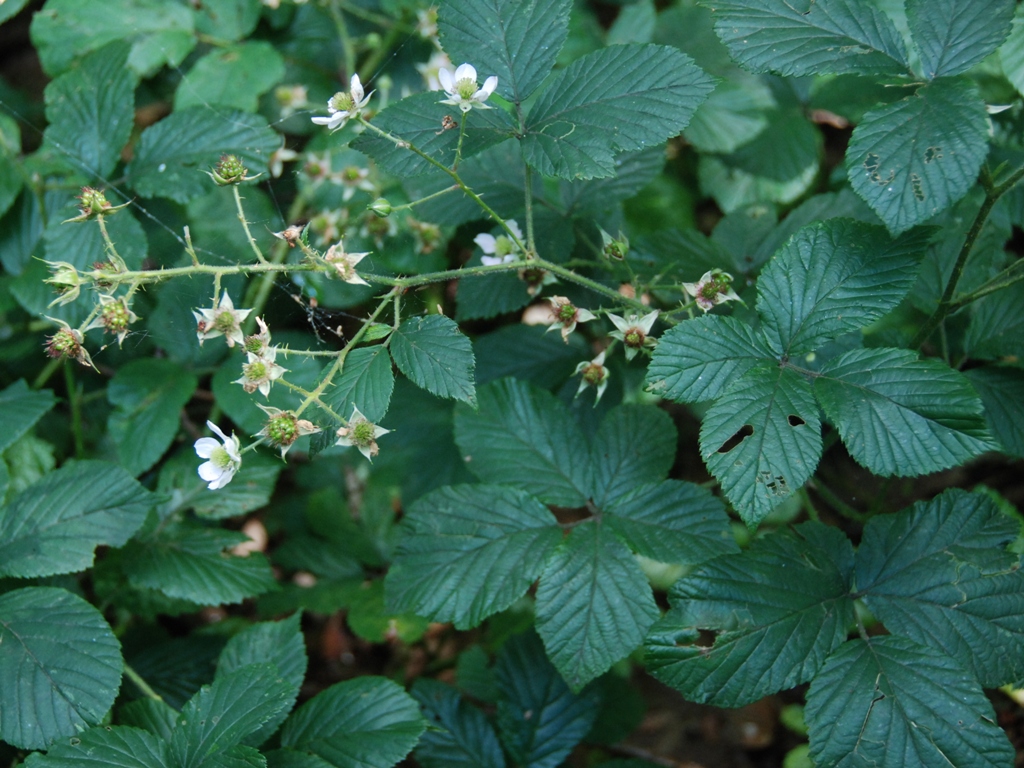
(635, 444)
(460, 736)
(777, 610)
(432, 352)
(108, 747)
(954, 36)
(20, 409)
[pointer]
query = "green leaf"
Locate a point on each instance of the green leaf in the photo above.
(734, 114)
(938, 573)
(56, 524)
(952, 37)
(81, 244)
(10, 9)
(432, 352)
(235, 77)
(634, 24)
(1011, 54)
(618, 99)
(996, 328)
(698, 360)
(635, 444)
(20, 409)
(539, 719)
(1002, 393)
(238, 756)
(223, 713)
(891, 703)
(771, 412)
(469, 551)
(810, 37)
(188, 561)
(460, 736)
(481, 297)
(777, 611)
(368, 722)
(527, 352)
(366, 382)
(594, 605)
(107, 747)
(159, 32)
(417, 119)
(517, 40)
(521, 435)
(913, 159)
(369, 618)
(91, 110)
(172, 155)
(249, 489)
(149, 396)
(60, 666)
(899, 415)
(834, 277)
(672, 521)
(228, 19)
(633, 172)
(152, 715)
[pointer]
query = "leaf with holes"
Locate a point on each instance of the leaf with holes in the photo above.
(432, 352)
(762, 439)
(777, 610)
(953, 36)
(635, 444)
(459, 736)
(899, 415)
(913, 159)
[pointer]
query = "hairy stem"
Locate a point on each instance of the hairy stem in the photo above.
(245, 225)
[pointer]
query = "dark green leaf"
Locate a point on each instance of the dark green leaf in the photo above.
(672, 521)
(20, 409)
(633, 172)
(235, 77)
(368, 722)
(891, 703)
(777, 611)
(108, 747)
(481, 297)
(952, 36)
(60, 666)
(734, 114)
(1011, 54)
(771, 412)
(469, 551)
(619, 99)
(460, 736)
(82, 243)
(522, 436)
(594, 605)
(55, 525)
(366, 382)
(1002, 393)
(527, 352)
(11, 8)
(153, 715)
(228, 19)
(635, 444)
(939, 574)
(913, 159)
(997, 325)
(900, 415)
(371, 619)
(432, 352)
(517, 40)
(249, 489)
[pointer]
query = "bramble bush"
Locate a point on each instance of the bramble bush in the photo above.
(438, 282)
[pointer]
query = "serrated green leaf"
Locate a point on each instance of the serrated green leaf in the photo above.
(635, 444)
(235, 77)
(938, 573)
(91, 110)
(55, 525)
(1011, 53)
(633, 172)
(594, 605)
(481, 297)
(527, 352)
(368, 722)
(148, 396)
(108, 747)
(777, 610)
(734, 114)
(899, 415)
(996, 328)
(810, 37)
(189, 562)
(366, 382)
(772, 413)
(238, 756)
(891, 703)
(698, 360)
(228, 19)
(20, 409)
(417, 119)
(159, 32)
(520, 435)
(172, 154)
(460, 736)
(672, 521)
(952, 36)
(223, 713)
(152, 715)
(176, 669)
(371, 620)
(60, 666)
(1002, 393)
(618, 99)
(539, 719)
(913, 159)
(432, 352)
(249, 489)
(834, 277)
(517, 40)
(469, 551)
(634, 24)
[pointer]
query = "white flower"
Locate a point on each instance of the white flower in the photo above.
(260, 370)
(594, 375)
(362, 433)
(343, 106)
(225, 458)
(567, 315)
(462, 90)
(221, 320)
(714, 287)
(500, 249)
(353, 178)
(634, 331)
(345, 263)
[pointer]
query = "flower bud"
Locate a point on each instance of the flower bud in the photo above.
(614, 248)
(230, 170)
(381, 207)
(65, 280)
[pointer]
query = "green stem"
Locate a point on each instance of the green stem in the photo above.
(593, 285)
(528, 204)
(808, 505)
(109, 244)
(306, 393)
(141, 684)
(836, 503)
(74, 400)
(462, 135)
(245, 225)
(1012, 274)
(48, 370)
(431, 196)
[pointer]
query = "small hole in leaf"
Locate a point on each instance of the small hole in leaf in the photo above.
(736, 439)
(796, 421)
(706, 638)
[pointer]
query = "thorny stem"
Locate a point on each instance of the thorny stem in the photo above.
(108, 243)
(245, 225)
(306, 393)
(462, 135)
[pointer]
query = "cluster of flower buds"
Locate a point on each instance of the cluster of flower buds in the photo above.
(92, 203)
(67, 342)
(230, 170)
(114, 317)
(260, 369)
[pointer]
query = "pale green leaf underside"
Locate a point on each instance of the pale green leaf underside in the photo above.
(778, 610)
(436, 356)
(20, 409)
(953, 36)
(899, 415)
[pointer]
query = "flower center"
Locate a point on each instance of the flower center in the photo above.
(352, 174)
(567, 313)
(342, 102)
(253, 344)
(115, 317)
(283, 429)
(255, 371)
(465, 88)
(593, 373)
(225, 322)
(634, 337)
(362, 433)
(221, 458)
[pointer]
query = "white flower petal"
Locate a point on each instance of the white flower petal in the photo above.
(210, 471)
(487, 242)
(465, 72)
(356, 89)
(489, 85)
(515, 228)
(444, 77)
(205, 446)
(322, 120)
